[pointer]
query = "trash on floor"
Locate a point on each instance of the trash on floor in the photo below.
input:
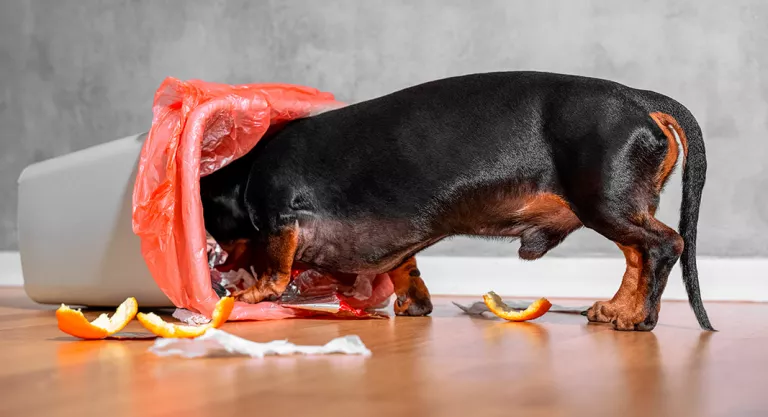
(479, 308)
(218, 343)
(160, 327)
(74, 323)
(190, 317)
(496, 305)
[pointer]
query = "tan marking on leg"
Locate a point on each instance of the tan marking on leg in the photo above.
(412, 294)
(281, 251)
(549, 211)
(631, 294)
(639, 295)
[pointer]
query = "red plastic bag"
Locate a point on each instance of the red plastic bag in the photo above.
(199, 127)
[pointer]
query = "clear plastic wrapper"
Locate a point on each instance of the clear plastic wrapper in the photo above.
(199, 127)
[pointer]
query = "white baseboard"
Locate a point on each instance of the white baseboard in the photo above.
(721, 279)
(10, 270)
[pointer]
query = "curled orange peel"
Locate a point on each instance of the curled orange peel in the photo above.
(537, 309)
(74, 323)
(162, 328)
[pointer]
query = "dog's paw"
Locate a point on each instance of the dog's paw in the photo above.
(602, 312)
(625, 316)
(250, 295)
(634, 320)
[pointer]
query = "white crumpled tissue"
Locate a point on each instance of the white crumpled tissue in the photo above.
(218, 343)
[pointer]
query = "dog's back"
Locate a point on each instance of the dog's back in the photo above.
(373, 181)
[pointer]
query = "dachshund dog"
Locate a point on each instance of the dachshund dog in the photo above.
(528, 155)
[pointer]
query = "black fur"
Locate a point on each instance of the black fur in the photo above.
(373, 183)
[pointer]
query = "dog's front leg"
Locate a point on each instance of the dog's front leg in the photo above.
(412, 295)
(281, 250)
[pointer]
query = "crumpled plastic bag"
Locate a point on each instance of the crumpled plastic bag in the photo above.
(199, 127)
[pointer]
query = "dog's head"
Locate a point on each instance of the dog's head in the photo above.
(225, 218)
(224, 212)
(228, 223)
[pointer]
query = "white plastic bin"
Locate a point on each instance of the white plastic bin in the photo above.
(74, 229)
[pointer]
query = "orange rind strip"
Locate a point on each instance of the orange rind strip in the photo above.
(537, 309)
(160, 327)
(74, 323)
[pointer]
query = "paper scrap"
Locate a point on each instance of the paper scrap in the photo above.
(479, 307)
(218, 343)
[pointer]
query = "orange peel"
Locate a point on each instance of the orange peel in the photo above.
(162, 328)
(73, 322)
(537, 309)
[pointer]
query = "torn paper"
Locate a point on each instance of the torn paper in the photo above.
(218, 343)
(479, 307)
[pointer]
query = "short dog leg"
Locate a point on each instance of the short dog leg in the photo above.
(281, 250)
(607, 311)
(657, 247)
(663, 250)
(412, 295)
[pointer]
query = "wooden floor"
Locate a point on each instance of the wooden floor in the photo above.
(446, 365)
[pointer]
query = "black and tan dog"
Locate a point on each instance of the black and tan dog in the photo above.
(526, 155)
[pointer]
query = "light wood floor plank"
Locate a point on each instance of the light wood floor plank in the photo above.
(445, 365)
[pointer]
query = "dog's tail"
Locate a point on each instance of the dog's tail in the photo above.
(689, 134)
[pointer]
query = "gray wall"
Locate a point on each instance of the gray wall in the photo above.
(75, 73)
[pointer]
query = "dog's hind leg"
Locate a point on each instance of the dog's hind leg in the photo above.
(607, 311)
(412, 295)
(651, 249)
(281, 251)
(622, 209)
